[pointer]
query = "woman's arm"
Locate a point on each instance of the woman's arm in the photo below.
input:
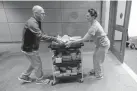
(91, 32)
(85, 38)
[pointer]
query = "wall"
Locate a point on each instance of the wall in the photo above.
(62, 17)
(105, 15)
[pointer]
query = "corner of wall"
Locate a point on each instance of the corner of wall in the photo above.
(105, 15)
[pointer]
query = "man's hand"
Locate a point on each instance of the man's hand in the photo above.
(59, 41)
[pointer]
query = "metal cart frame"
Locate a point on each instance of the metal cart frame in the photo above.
(53, 49)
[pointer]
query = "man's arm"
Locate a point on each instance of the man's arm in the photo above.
(33, 26)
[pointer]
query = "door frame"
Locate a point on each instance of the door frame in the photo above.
(112, 27)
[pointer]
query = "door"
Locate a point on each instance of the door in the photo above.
(119, 18)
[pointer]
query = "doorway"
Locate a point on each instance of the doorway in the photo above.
(118, 27)
(130, 57)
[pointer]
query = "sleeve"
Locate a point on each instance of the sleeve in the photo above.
(92, 30)
(33, 26)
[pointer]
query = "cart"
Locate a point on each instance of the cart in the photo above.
(67, 62)
(132, 42)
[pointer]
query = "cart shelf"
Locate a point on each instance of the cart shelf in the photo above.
(68, 63)
(71, 76)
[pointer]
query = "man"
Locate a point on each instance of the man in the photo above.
(31, 39)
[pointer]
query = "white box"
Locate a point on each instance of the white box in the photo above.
(58, 60)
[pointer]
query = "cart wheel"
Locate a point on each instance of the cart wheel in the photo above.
(81, 80)
(127, 44)
(132, 46)
(52, 83)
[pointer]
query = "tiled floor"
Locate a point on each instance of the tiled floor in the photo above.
(115, 79)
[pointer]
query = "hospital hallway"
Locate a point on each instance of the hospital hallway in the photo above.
(116, 76)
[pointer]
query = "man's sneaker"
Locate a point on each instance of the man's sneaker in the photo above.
(42, 81)
(25, 78)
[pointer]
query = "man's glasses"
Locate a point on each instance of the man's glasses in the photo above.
(43, 14)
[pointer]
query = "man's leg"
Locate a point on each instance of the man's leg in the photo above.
(38, 69)
(31, 68)
(37, 64)
(39, 72)
(25, 76)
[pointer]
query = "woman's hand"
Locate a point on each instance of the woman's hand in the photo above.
(69, 43)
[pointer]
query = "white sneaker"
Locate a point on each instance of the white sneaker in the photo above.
(42, 81)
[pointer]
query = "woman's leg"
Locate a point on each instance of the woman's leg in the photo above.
(98, 59)
(25, 76)
(95, 61)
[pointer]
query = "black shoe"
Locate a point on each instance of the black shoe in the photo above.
(92, 72)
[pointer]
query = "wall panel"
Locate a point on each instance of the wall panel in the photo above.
(80, 4)
(5, 35)
(62, 17)
(2, 16)
(1, 5)
(52, 28)
(16, 30)
(30, 4)
(75, 29)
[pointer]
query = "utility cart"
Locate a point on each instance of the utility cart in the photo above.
(67, 62)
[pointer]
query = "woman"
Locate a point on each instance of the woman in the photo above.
(100, 39)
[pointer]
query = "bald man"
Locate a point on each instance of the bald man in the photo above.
(32, 35)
